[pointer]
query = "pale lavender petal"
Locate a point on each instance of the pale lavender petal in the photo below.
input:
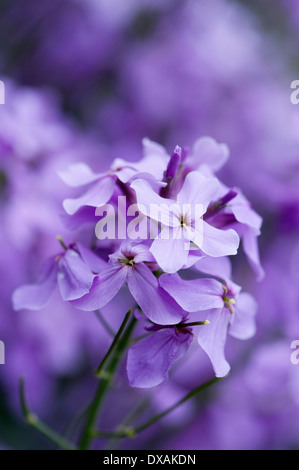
(104, 288)
(154, 162)
(155, 184)
(207, 151)
(243, 321)
(244, 213)
(142, 253)
(127, 175)
(193, 256)
(218, 267)
(153, 149)
(139, 251)
(122, 170)
(157, 305)
(84, 216)
(155, 159)
(171, 253)
(94, 262)
(36, 296)
(212, 339)
(74, 277)
(149, 201)
(79, 174)
(193, 295)
(216, 242)
(150, 360)
(199, 190)
(97, 194)
(250, 247)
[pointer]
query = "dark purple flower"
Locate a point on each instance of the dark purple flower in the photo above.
(130, 265)
(226, 309)
(74, 270)
(182, 222)
(151, 358)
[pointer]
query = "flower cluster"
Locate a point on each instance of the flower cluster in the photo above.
(173, 256)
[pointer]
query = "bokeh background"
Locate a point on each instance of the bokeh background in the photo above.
(86, 80)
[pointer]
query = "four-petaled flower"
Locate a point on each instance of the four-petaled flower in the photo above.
(182, 222)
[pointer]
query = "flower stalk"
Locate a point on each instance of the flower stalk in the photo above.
(130, 432)
(43, 428)
(106, 374)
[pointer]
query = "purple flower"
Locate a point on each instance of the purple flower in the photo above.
(101, 186)
(233, 210)
(226, 308)
(182, 222)
(206, 155)
(249, 228)
(206, 151)
(74, 271)
(151, 358)
(131, 264)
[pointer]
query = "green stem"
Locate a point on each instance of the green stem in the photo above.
(115, 356)
(132, 432)
(126, 425)
(187, 397)
(105, 324)
(99, 370)
(43, 428)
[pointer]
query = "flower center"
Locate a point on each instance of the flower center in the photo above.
(128, 260)
(229, 302)
(182, 221)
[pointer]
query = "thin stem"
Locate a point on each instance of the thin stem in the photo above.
(104, 323)
(187, 397)
(43, 428)
(126, 424)
(74, 423)
(132, 432)
(106, 379)
(99, 370)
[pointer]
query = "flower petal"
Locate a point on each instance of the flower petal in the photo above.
(243, 322)
(193, 295)
(84, 216)
(94, 262)
(140, 251)
(212, 338)
(155, 159)
(75, 278)
(128, 174)
(151, 204)
(36, 296)
(244, 213)
(206, 150)
(104, 288)
(156, 303)
(150, 360)
(199, 190)
(216, 242)
(250, 247)
(218, 267)
(78, 174)
(171, 253)
(97, 194)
